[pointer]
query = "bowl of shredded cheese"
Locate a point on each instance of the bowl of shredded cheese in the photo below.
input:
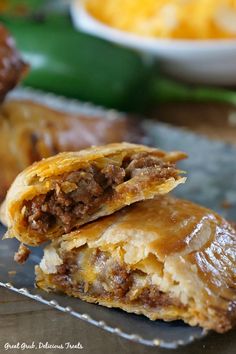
(194, 40)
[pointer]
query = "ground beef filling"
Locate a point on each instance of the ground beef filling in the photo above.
(93, 187)
(112, 281)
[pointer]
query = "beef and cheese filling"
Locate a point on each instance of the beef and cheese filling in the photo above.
(96, 274)
(83, 192)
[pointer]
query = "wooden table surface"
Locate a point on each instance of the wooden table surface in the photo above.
(25, 321)
(217, 121)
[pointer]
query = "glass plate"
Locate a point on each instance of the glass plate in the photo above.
(211, 181)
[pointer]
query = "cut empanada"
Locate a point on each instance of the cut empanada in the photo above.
(61, 193)
(166, 259)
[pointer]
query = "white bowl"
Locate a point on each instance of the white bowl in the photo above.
(198, 61)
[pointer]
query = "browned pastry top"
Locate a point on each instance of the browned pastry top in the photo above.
(187, 252)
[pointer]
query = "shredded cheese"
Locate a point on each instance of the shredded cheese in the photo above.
(182, 19)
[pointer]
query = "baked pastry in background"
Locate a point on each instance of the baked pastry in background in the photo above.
(12, 67)
(30, 131)
(166, 258)
(57, 195)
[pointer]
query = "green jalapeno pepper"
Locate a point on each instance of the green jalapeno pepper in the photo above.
(74, 64)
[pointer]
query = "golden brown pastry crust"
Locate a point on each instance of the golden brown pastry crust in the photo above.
(30, 131)
(187, 251)
(45, 176)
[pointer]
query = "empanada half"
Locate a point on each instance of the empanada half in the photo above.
(166, 259)
(61, 193)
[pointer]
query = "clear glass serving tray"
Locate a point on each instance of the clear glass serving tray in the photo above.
(211, 181)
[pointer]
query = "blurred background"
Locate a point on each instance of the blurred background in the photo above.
(146, 57)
